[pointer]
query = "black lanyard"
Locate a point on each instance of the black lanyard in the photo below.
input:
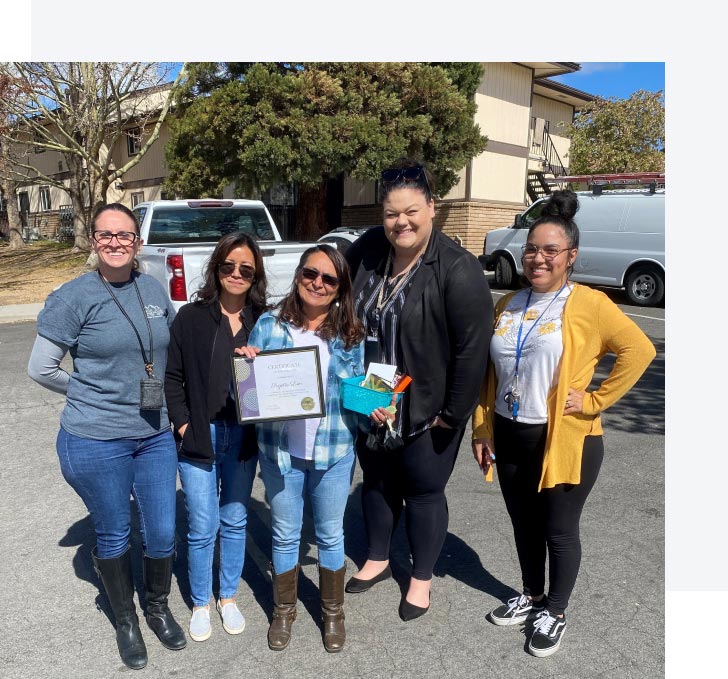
(148, 363)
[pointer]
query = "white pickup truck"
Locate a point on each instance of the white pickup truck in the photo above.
(180, 235)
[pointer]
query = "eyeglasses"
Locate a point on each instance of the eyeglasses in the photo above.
(247, 273)
(548, 252)
(406, 175)
(124, 238)
(311, 274)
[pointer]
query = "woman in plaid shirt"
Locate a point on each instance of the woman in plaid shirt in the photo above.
(314, 457)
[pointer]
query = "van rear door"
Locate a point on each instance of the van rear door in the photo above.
(601, 221)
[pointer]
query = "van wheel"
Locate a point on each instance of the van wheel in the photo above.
(645, 286)
(505, 274)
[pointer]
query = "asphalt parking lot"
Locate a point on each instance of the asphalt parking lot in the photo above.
(56, 621)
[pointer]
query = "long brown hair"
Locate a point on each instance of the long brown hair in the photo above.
(340, 321)
(209, 293)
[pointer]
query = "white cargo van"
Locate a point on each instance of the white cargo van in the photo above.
(622, 243)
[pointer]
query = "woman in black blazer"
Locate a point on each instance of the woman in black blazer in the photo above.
(427, 308)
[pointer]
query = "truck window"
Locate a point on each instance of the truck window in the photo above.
(139, 214)
(182, 224)
(531, 215)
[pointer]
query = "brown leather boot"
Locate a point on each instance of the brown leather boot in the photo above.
(331, 589)
(285, 591)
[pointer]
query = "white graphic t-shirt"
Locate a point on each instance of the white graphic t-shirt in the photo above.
(538, 368)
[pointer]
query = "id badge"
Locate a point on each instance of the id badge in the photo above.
(372, 353)
(151, 396)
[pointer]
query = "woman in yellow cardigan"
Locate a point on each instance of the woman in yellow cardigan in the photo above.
(536, 415)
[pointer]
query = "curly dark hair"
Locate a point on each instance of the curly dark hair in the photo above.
(341, 321)
(560, 209)
(209, 293)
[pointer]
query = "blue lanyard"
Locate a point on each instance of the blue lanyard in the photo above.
(513, 397)
(519, 344)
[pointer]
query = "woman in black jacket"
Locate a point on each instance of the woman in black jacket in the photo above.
(217, 456)
(427, 308)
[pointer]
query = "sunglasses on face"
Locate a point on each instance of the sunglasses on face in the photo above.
(123, 238)
(311, 274)
(407, 175)
(247, 273)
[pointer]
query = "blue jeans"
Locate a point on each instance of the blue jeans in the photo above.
(327, 490)
(216, 497)
(106, 473)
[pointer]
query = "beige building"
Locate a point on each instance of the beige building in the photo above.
(524, 116)
(522, 113)
(46, 210)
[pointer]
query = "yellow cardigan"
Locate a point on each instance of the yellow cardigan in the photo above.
(592, 326)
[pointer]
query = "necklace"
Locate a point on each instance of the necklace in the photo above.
(513, 397)
(403, 276)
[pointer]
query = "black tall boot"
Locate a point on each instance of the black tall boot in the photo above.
(157, 583)
(285, 594)
(119, 585)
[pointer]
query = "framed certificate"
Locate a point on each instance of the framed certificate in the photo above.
(283, 384)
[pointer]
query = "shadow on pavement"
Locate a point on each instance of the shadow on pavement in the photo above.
(81, 534)
(457, 559)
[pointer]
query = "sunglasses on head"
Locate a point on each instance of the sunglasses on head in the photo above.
(311, 274)
(247, 273)
(406, 175)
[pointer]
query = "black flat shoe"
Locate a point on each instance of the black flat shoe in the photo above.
(408, 611)
(356, 586)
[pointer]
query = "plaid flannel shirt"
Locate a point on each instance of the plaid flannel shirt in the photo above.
(337, 429)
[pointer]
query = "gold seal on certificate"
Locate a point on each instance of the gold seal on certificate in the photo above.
(284, 384)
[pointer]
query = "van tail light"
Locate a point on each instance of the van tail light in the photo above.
(177, 284)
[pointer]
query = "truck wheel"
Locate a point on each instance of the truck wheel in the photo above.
(505, 274)
(645, 286)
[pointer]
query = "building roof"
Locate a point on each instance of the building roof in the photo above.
(569, 95)
(544, 69)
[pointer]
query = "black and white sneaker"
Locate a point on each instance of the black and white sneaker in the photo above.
(547, 635)
(517, 610)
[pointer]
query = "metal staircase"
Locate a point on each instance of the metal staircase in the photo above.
(538, 182)
(537, 185)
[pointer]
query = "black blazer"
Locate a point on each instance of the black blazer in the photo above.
(193, 346)
(445, 328)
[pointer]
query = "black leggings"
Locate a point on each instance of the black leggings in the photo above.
(549, 519)
(415, 476)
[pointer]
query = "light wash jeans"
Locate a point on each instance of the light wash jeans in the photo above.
(106, 473)
(326, 489)
(216, 498)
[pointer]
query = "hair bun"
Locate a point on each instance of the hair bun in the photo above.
(562, 204)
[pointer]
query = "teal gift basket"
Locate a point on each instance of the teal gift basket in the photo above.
(362, 400)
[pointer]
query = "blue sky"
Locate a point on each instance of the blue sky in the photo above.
(616, 79)
(608, 79)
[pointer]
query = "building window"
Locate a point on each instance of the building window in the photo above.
(136, 198)
(23, 202)
(45, 198)
(38, 137)
(133, 141)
